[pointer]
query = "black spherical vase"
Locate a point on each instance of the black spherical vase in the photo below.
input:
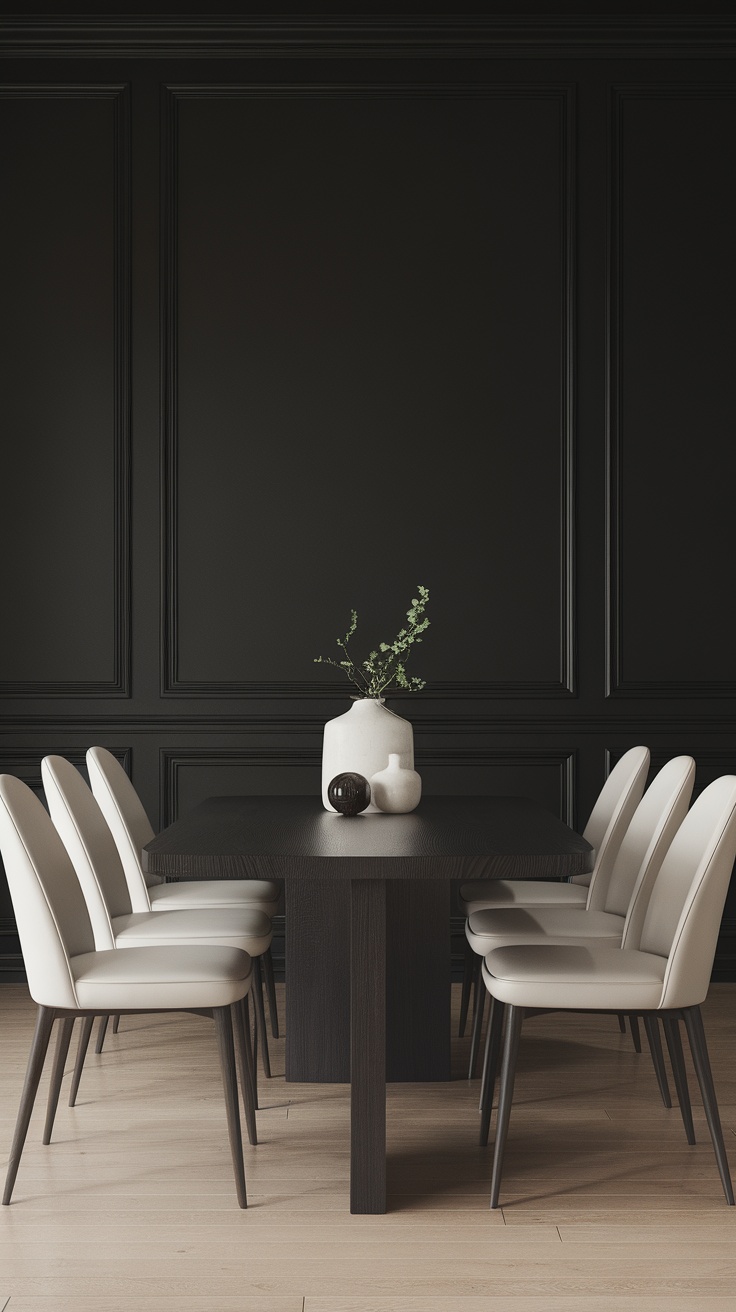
(349, 793)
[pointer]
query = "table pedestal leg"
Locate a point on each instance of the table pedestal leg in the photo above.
(417, 979)
(318, 980)
(368, 1046)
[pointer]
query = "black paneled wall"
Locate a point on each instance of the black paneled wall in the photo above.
(295, 319)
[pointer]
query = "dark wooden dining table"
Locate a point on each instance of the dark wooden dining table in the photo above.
(368, 915)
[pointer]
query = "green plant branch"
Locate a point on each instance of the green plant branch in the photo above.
(375, 675)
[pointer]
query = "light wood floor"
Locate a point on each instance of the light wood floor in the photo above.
(132, 1207)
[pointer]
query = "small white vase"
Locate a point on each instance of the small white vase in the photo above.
(396, 789)
(362, 740)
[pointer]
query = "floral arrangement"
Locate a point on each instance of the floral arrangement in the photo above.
(386, 665)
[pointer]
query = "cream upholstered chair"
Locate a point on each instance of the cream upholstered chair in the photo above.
(623, 888)
(131, 830)
(666, 975)
(68, 977)
(609, 820)
(93, 853)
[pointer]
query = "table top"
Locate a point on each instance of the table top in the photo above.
(294, 837)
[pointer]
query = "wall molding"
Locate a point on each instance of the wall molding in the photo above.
(381, 37)
(172, 684)
(119, 685)
(664, 722)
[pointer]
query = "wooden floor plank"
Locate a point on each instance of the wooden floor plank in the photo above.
(543, 1303)
(509, 1280)
(157, 1303)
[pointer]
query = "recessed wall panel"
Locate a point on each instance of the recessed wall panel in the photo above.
(369, 375)
(189, 776)
(63, 367)
(674, 345)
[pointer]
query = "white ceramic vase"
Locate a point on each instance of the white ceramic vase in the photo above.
(362, 740)
(396, 789)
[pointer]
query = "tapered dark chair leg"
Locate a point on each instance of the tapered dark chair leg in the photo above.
(36, 1058)
(251, 1035)
(514, 1017)
(477, 1027)
(85, 1034)
(495, 1028)
(63, 1038)
(244, 1058)
(677, 1061)
(255, 1050)
(257, 991)
(486, 1103)
(468, 963)
(252, 1029)
(701, 1061)
(622, 1022)
(224, 1031)
(477, 978)
(273, 1014)
(115, 1024)
(101, 1032)
(655, 1047)
(490, 1068)
(634, 1023)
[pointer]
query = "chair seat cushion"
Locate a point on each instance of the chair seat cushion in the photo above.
(263, 893)
(235, 927)
(159, 977)
(486, 930)
(590, 976)
(480, 893)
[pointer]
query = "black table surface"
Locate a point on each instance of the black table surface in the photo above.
(445, 837)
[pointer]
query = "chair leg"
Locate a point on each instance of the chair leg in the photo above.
(622, 1022)
(495, 1024)
(468, 967)
(224, 1031)
(244, 1058)
(634, 1023)
(677, 1060)
(63, 1038)
(477, 1025)
(39, 1047)
(699, 1048)
(655, 1047)
(251, 1033)
(84, 1037)
(506, 1093)
(479, 989)
(257, 991)
(101, 1031)
(115, 1024)
(255, 1051)
(490, 1068)
(270, 983)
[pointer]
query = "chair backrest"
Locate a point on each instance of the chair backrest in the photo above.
(50, 910)
(653, 826)
(611, 816)
(90, 845)
(126, 819)
(686, 903)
